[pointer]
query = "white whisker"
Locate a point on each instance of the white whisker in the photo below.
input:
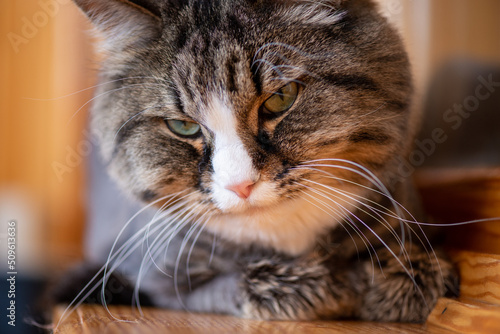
(207, 219)
(369, 247)
(92, 285)
(93, 87)
(379, 218)
(110, 92)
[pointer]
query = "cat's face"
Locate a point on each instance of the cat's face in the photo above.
(249, 110)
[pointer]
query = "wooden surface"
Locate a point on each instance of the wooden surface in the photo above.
(478, 310)
(480, 277)
(94, 319)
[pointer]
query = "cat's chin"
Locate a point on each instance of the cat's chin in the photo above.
(247, 208)
(291, 226)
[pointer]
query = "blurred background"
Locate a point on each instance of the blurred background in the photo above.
(48, 69)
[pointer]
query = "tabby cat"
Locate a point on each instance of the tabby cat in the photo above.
(266, 136)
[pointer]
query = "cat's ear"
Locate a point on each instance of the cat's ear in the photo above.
(123, 22)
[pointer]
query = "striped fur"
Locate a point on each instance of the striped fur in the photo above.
(325, 231)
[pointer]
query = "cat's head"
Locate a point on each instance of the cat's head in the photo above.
(260, 115)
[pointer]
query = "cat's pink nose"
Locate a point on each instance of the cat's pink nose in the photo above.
(243, 189)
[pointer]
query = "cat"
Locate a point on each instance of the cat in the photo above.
(265, 138)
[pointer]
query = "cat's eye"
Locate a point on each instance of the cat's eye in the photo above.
(283, 99)
(184, 128)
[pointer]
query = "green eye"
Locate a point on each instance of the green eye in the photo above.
(183, 128)
(283, 99)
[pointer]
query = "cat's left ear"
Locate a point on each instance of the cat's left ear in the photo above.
(123, 22)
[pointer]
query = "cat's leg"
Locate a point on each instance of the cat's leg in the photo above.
(389, 290)
(304, 289)
(406, 291)
(273, 289)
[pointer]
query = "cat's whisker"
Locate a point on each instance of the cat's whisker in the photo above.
(405, 222)
(135, 241)
(382, 190)
(112, 254)
(185, 240)
(156, 247)
(408, 272)
(288, 80)
(131, 246)
(285, 60)
(133, 117)
(162, 241)
(239, 116)
(171, 220)
(187, 216)
(330, 211)
(328, 175)
(373, 112)
(389, 213)
(379, 219)
(207, 215)
(110, 92)
(376, 211)
(425, 243)
(212, 251)
(272, 67)
(91, 88)
(277, 68)
(344, 213)
(372, 178)
(92, 285)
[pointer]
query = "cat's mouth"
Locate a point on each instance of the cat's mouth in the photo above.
(263, 196)
(291, 225)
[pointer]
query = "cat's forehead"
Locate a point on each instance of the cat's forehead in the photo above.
(205, 70)
(236, 71)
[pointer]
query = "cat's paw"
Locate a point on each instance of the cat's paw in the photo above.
(277, 290)
(395, 296)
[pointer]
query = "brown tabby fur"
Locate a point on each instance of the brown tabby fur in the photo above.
(324, 234)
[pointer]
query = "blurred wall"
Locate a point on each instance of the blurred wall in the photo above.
(44, 65)
(454, 46)
(437, 31)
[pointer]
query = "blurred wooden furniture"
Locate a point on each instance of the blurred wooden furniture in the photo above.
(454, 196)
(450, 196)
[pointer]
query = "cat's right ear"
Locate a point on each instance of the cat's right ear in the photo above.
(123, 22)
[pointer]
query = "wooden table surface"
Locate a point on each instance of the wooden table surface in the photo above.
(478, 311)
(92, 319)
